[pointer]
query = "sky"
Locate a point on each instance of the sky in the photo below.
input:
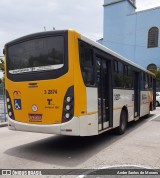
(22, 17)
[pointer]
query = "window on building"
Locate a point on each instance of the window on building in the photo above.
(153, 37)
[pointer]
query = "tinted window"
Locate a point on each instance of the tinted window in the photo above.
(123, 76)
(128, 77)
(87, 64)
(145, 81)
(150, 82)
(36, 55)
(118, 75)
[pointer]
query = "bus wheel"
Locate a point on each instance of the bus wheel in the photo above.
(123, 122)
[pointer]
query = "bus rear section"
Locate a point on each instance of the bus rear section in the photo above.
(40, 83)
(61, 82)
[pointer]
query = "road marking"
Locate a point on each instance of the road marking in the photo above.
(154, 117)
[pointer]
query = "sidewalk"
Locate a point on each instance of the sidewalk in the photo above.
(3, 124)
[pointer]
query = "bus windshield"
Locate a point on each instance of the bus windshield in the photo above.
(42, 54)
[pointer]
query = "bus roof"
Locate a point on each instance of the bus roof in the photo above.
(87, 40)
(105, 49)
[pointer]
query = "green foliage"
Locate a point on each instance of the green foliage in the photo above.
(2, 69)
(2, 65)
(157, 73)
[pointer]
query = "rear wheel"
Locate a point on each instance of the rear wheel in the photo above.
(123, 123)
(157, 104)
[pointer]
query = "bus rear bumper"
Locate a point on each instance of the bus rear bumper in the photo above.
(68, 128)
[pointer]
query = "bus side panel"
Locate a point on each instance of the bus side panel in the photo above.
(92, 100)
(122, 98)
(89, 123)
(145, 103)
(86, 104)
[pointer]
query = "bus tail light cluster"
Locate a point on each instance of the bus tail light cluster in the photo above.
(9, 106)
(68, 105)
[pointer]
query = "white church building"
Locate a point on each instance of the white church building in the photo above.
(133, 34)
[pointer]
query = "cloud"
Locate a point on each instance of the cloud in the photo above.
(142, 5)
(21, 17)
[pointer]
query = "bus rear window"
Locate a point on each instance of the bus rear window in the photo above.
(42, 54)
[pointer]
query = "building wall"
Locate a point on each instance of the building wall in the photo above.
(145, 21)
(126, 31)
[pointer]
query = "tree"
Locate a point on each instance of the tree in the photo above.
(2, 69)
(157, 73)
(2, 65)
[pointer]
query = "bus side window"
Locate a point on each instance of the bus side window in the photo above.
(128, 77)
(87, 64)
(150, 82)
(118, 75)
(145, 81)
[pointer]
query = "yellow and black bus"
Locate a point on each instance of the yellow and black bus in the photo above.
(60, 82)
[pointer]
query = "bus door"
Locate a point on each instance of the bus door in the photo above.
(105, 105)
(136, 94)
(154, 93)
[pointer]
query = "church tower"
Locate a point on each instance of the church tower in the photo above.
(110, 2)
(116, 23)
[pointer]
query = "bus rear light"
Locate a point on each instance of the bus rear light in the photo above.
(68, 130)
(69, 99)
(9, 106)
(67, 115)
(68, 105)
(10, 114)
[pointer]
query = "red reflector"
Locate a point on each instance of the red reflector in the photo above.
(68, 130)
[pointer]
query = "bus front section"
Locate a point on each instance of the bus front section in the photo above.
(40, 85)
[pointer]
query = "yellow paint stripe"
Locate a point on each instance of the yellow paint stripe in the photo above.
(145, 103)
(90, 113)
(119, 108)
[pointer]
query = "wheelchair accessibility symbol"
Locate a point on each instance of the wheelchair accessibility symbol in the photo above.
(17, 104)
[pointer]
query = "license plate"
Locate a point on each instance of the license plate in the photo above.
(35, 117)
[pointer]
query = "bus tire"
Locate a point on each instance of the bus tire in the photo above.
(123, 122)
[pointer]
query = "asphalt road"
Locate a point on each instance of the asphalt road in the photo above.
(139, 146)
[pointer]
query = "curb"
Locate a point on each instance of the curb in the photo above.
(3, 124)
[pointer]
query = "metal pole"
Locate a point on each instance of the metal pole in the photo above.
(4, 101)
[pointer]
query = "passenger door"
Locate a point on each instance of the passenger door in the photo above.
(136, 94)
(105, 105)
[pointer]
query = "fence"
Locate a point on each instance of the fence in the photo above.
(2, 104)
